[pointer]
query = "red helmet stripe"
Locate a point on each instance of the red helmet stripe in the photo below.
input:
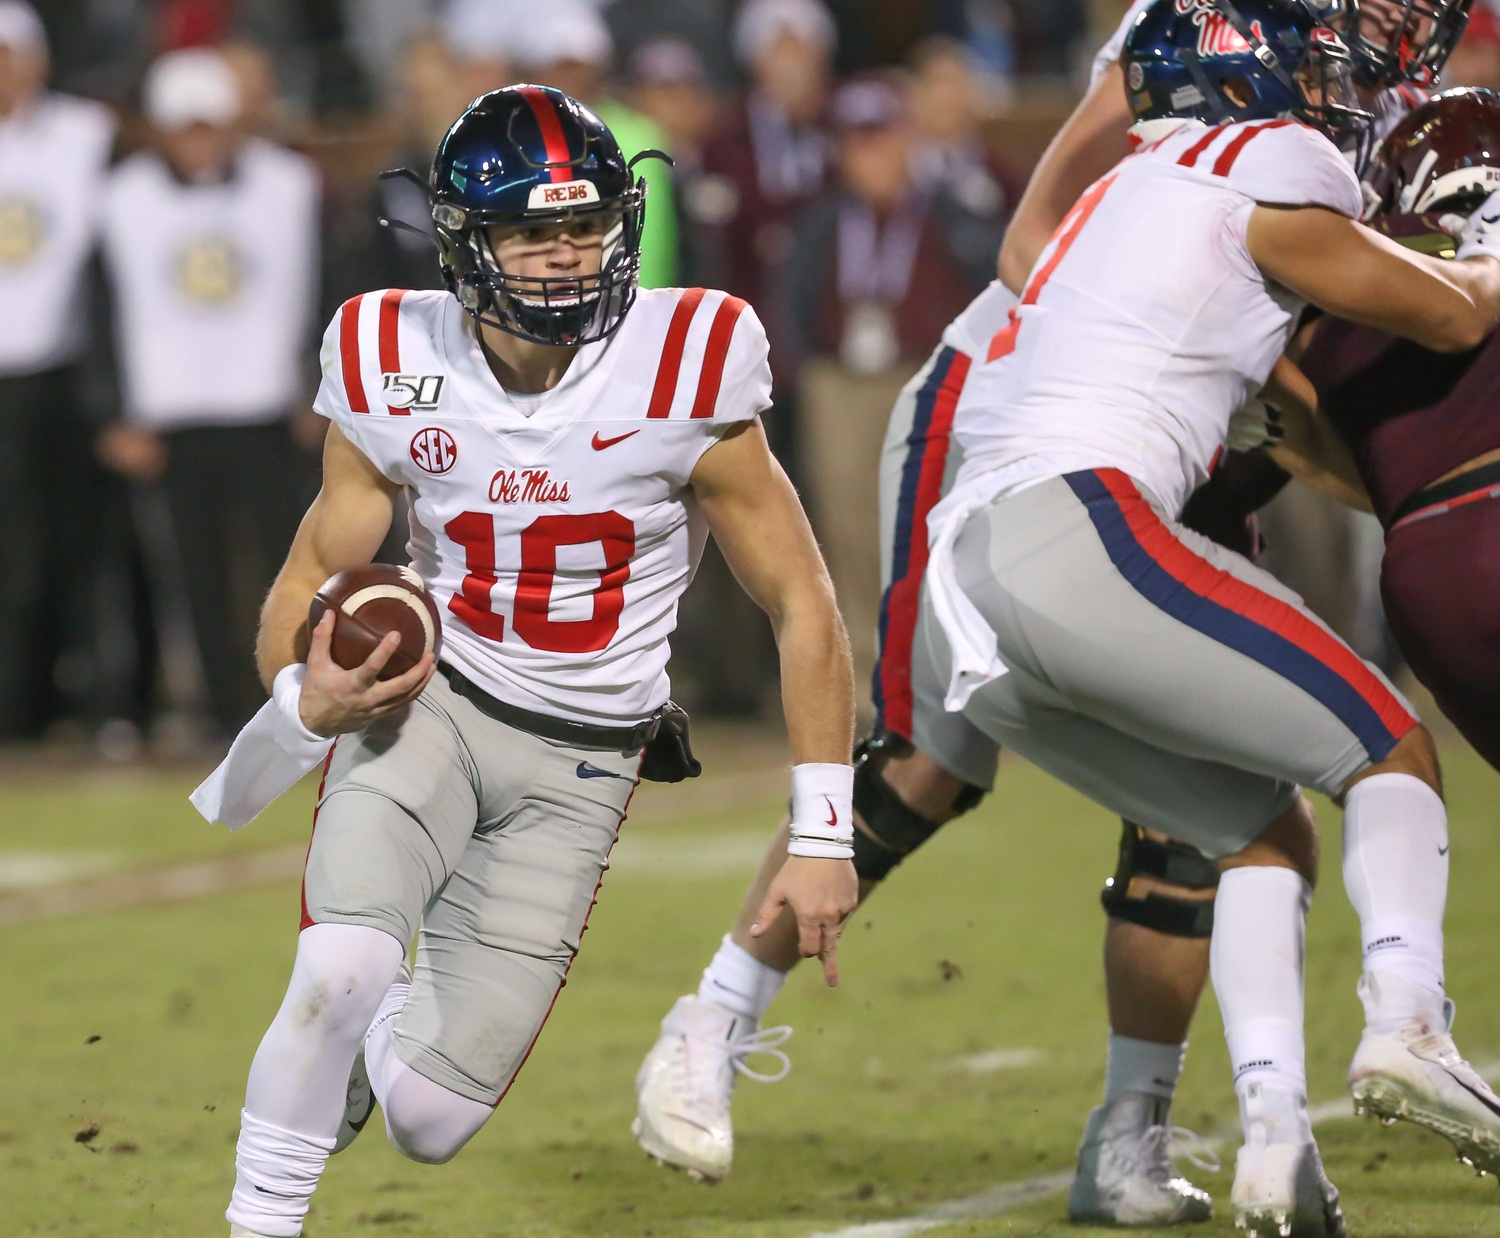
(553, 137)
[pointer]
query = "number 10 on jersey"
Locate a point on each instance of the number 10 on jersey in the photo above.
(531, 611)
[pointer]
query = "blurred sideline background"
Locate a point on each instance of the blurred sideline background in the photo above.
(188, 190)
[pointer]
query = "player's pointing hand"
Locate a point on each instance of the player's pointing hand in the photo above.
(822, 894)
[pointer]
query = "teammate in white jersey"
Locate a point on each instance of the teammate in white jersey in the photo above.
(925, 766)
(1076, 621)
(568, 443)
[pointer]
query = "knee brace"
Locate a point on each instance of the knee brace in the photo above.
(892, 831)
(424, 1121)
(1172, 862)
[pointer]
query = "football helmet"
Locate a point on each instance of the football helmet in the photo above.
(1395, 41)
(1444, 156)
(528, 155)
(1221, 61)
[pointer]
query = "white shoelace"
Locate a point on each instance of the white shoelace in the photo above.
(767, 1041)
(1160, 1144)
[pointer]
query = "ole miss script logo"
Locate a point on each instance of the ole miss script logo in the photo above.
(433, 450)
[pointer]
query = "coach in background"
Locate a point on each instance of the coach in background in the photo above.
(46, 238)
(210, 243)
(874, 278)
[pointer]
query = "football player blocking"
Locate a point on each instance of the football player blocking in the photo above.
(551, 425)
(685, 1084)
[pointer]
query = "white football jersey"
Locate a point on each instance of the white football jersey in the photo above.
(1145, 323)
(556, 545)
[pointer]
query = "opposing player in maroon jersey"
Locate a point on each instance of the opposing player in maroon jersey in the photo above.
(1423, 429)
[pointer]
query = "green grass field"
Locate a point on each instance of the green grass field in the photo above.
(141, 1022)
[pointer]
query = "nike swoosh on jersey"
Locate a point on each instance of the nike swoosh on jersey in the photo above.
(601, 443)
(585, 770)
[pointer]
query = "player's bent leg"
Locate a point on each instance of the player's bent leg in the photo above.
(295, 1097)
(1396, 875)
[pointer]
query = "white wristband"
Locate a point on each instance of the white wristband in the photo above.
(822, 811)
(292, 733)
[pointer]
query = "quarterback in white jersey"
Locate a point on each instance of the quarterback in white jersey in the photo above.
(1080, 624)
(567, 443)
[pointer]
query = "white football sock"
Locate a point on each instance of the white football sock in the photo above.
(1396, 876)
(740, 982)
(294, 1100)
(1141, 1066)
(1260, 922)
(275, 1174)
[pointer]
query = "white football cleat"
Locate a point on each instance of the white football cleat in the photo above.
(359, 1099)
(1416, 1074)
(239, 1231)
(1280, 1189)
(684, 1086)
(1125, 1171)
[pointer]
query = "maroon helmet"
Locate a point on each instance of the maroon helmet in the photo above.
(1444, 157)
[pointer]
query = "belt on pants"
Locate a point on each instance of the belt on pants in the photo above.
(1444, 496)
(621, 739)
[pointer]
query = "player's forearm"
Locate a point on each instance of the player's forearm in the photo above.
(817, 679)
(282, 638)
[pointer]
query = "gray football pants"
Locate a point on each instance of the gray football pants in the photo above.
(489, 839)
(1165, 677)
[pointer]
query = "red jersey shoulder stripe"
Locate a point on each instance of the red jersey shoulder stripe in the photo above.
(711, 376)
(665, 390)
(1190, 156)
(1231, 152)
(354, 383)
(390, 347)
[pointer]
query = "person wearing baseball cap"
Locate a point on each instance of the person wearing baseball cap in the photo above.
(211, 246)
(47, 480)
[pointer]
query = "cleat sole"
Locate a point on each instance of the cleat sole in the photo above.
(1387, 1099)
(646, 1138)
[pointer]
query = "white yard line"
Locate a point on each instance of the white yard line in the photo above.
(1009, 1196)
(998, 1059)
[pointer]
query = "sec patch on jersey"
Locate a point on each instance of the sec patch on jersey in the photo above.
(370, 601)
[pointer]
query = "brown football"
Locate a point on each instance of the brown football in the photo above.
(370, 601)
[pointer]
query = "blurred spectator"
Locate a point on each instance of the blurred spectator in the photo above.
(568, 46)
(210, 243)
(771, 159)
(54, 151)
(976, 191)
(702, 24)
(666, 83)
(873, 280)
(1476, 59)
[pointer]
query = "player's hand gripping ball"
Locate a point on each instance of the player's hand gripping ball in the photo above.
(370, 601)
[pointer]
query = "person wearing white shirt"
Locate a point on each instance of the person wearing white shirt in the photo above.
(47, 140)
(210, 244)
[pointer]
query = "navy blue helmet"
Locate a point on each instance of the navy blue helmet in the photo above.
(526, 156)
(1220, 61)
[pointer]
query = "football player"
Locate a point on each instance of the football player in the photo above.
(1070, 616)
(1422, 427)
(924, 767)
(567, 443)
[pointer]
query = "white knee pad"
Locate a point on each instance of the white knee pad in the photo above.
(425, 1121)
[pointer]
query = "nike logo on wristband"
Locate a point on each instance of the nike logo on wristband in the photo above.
(600, 444)
(833, 813)
(585, 770)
